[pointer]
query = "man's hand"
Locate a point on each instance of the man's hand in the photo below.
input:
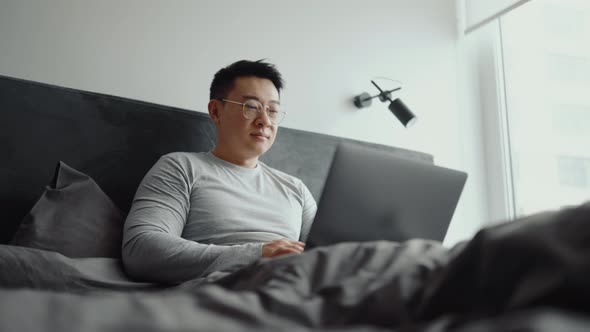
(282, 247)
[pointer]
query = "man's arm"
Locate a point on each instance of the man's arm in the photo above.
(153, 249)
(309, 211)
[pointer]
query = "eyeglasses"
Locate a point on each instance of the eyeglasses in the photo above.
(252, 109)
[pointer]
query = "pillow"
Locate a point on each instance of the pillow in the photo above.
(73, 217)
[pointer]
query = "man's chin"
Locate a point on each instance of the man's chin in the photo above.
(260, 149)
(263, 151)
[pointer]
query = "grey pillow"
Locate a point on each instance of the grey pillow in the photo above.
(73, 217)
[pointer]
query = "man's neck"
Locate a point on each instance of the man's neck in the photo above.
(234, 159)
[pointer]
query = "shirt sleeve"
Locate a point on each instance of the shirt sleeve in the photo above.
(309, 211)
(153, 249)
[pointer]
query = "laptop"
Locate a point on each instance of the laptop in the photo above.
(372, 195)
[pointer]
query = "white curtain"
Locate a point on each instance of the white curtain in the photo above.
(477, 13)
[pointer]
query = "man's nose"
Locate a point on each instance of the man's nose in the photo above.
(263, 119)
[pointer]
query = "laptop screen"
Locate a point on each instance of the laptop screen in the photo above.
(373, 195)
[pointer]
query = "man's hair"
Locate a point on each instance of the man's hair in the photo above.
(224, 79)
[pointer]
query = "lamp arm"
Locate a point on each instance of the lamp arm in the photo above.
(378, 88)
(385, 93)
(382, 93)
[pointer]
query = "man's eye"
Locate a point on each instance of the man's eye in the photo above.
(251, 107)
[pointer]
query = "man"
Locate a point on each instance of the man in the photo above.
(196, 213)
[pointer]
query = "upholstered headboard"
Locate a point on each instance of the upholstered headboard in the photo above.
(116, 140)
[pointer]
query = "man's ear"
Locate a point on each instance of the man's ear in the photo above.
(214, 110)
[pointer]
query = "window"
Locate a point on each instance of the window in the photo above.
(574, 172)
(571, 120)
(546, 56)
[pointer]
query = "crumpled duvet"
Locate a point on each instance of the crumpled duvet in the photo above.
(529, 274)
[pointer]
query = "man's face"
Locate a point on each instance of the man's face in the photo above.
(247, 138)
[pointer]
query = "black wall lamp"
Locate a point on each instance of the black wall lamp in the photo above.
(397, 107)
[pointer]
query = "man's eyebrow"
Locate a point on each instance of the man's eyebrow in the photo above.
(256, 98)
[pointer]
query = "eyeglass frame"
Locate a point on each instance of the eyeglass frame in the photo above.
(266, 109)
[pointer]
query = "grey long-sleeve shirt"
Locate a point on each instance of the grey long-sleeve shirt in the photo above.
(194, 213)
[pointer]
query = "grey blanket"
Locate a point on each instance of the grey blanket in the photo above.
(530, 274)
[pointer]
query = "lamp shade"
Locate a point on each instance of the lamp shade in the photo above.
(402, 112)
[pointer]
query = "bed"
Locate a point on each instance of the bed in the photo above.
(529, 274)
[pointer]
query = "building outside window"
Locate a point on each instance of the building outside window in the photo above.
(546, 57)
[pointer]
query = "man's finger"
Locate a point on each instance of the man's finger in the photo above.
(294, 244)
(298, 246)
(286, 251)
(294, 247)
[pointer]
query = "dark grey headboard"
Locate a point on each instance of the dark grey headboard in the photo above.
(116, 140)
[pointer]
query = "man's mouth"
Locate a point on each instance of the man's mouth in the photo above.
(259, 135)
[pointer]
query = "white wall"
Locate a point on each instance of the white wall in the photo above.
(167, 52)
